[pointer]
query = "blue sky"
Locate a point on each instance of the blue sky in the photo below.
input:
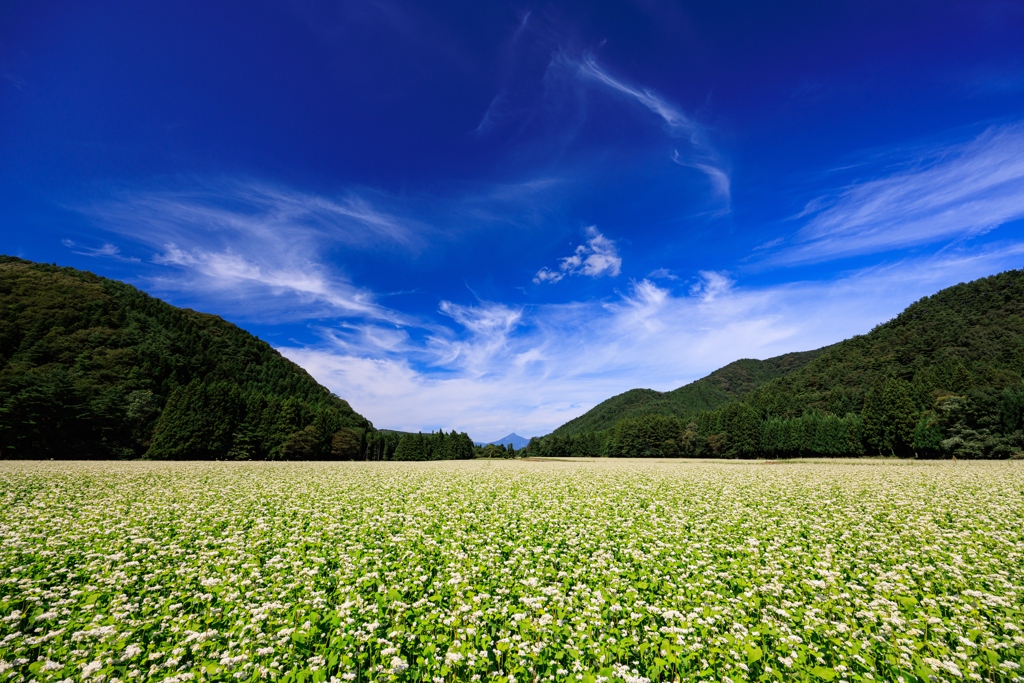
(492, 216)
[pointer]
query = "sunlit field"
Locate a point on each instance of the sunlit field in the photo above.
(512, 571)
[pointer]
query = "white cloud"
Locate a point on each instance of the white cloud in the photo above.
(296, 285)
(702, 157)
(239, 209)
(662, 274)
(530, 370)
(711, 285)
(721, 185)
(106, 250)
(258, 247)
(595, 258)
(671, 115)
(951, 193)
(490, 327)
(545, 274)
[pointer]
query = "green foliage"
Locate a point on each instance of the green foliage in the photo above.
(492, 451)
(964, 340)
(435, 446)
(94, 368)
(928, 436)
(942, 379)
(734, 381)
(650, 436)
(890, 418)
(199, 421)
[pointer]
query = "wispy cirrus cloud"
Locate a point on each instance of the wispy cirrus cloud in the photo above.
(676, 120)
(232, 208)
(947, 193)
(721, 185)
(296, 286)
(106, 250)
(259, 247)
(701, 156)
(490, 327)
(597, 257)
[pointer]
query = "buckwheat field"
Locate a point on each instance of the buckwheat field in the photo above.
(512, 571)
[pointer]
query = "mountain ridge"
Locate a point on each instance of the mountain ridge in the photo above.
(725, 384)
(98, 363)
(512, 439)
(941, 379)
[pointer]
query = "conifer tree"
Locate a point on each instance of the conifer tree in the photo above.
(899, 418)
(873, 420)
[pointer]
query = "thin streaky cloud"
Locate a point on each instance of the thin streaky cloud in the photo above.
(15, 81)
(488, 117)
(720, 182)
(676, 119)
(107, 250)
(262, 249)
(234, 206)
(293, 283)
(704, 157)
(955, 192)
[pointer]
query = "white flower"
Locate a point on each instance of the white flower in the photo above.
(398, 665)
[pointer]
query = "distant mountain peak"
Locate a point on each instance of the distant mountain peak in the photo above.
(514, 439)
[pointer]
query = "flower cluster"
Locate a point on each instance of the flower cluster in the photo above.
(511, 571)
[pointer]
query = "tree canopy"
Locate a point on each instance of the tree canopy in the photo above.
(95, 368)
(942, 379)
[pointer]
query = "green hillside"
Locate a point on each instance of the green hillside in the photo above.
(735, 380)
(966, 339)
(95, 368)
(942, 379)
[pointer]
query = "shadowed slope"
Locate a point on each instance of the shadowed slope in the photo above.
(95, 368)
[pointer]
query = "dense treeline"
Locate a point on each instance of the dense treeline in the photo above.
(729, 383)
(890, 424)
(94, 368)
(942, 379)
(390, 445)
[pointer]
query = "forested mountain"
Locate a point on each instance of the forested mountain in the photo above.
(942, 379)
(95, 368)
(734, 381)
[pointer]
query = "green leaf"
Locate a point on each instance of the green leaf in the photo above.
(824, 673)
